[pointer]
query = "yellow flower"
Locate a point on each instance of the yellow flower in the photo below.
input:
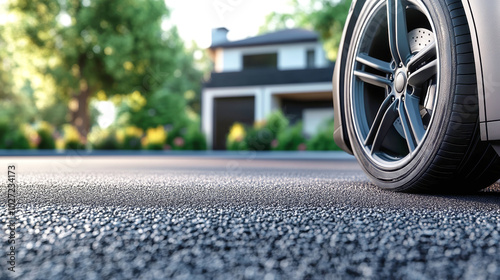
(101, 95)
(156, 135)
(133, 131)
(136, 101)
(236, 133)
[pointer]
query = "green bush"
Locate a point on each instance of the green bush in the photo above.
(291, 139)
(276, 123)
(106, 141)
(131, 138)
(17, 140)
(72, 139)
(4, 131)
(195, 139)
(323, 140)
(187, 138)
(74, 145)
(259, 139)
(131, 143)
(45, 132)
(175, 139)
(236, 145)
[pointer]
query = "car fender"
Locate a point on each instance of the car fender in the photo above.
(483, 17)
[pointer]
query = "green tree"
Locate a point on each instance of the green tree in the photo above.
(5, 74)
(16, 107)
(327, 17)
(100, 47)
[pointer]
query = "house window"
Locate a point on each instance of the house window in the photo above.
(311, 58)
(255, 61)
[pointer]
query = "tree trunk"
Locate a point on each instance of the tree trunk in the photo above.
(80, 116)
(79, 106)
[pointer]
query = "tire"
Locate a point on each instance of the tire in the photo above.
(411, 101)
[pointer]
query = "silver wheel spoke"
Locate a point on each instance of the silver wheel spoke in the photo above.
(405, 123)
(390, 116)
(378, 119)
(398, 32)
(373, 79)
(414, 119)
(374, 63)
(423, 74)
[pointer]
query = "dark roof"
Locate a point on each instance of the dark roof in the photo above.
(286, 36)
(256, 77)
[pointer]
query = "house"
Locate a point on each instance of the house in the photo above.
(285, 70)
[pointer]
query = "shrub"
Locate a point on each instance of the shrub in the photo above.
(46, 132)
(130, 138)
(291, 139)
(175, 139)
(263, 133)
(194, 139)
(155, 138)
(276, 123)
(186, 137)
(4, 131)
(12, 136)
(72, 138)
(259, 138)
(323, 140)
(16, 139)
(103, 140)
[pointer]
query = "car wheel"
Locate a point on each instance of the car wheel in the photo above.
(411, 98)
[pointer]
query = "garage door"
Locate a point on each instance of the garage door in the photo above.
(227, 111)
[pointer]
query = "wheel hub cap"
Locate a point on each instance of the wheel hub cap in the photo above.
(400, 82)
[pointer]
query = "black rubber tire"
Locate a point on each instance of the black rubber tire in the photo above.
(452, 157)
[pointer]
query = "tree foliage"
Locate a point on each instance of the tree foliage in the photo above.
(5, 73)
(104, 48)
(327, 17)
(15, 106)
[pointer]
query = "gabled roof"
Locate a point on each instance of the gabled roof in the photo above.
(286, 36)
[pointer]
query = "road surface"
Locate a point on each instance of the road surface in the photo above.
(237, 218)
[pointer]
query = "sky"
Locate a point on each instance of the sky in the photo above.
(196, 18)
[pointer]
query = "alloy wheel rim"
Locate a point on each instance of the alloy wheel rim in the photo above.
(394, 81)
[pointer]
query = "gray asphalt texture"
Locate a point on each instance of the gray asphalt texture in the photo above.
(200, 218)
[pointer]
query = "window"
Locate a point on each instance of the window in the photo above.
(256, 61)
(311, 58)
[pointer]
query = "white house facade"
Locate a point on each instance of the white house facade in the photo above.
(285, 70)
